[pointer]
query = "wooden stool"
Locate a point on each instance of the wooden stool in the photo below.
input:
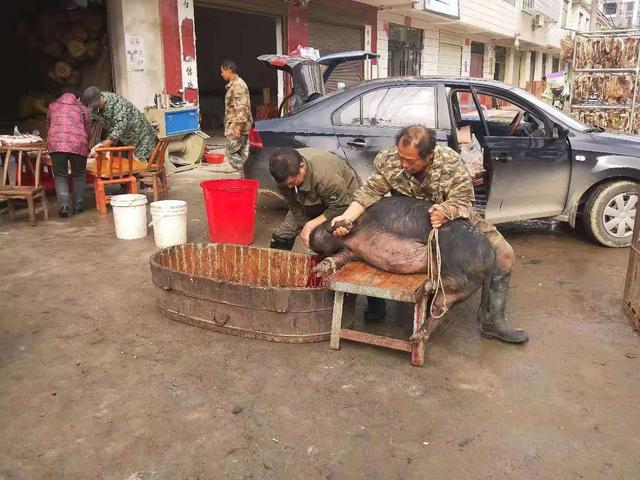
(361, 279)
(156, 170)
(21, 191)
(116, 174)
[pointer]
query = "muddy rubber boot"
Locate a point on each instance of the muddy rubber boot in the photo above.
(375, 310)
(278, 243)
(483, 310)
(493, 322)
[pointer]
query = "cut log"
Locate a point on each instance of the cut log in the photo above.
(77, 49)
(93, 49)
(53, 49)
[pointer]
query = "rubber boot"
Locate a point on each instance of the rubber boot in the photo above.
(78, 194)
(278, 243)
(375, 310)
(62, 196)
(493, 322)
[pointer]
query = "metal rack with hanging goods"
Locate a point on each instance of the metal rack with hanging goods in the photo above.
(604, 85)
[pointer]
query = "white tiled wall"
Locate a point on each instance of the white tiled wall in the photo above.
(383, 49)
(508, 20)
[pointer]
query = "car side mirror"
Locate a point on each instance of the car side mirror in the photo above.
(559, 132)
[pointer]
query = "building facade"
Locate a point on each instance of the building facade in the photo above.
(623, 13)
(185, 42)
(514, 41)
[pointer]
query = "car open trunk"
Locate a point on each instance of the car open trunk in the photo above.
(306, 73)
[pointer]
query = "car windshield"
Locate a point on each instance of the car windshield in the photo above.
(558, 115)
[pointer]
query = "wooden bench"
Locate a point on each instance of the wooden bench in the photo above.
(361, 279)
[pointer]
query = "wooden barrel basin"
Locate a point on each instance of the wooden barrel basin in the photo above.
(241, 290)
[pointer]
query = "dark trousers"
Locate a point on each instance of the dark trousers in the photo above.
(61, 163)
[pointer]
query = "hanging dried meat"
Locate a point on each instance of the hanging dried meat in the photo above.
(566, 48)
(603, 88)
(631, 52)
(606, 52)
(612, 119)
(636, 121)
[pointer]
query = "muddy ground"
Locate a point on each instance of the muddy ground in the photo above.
(96, 384)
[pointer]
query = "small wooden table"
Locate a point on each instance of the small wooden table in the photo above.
(361, 279)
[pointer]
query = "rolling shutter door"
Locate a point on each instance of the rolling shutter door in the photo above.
(450, 54)
(450, 60)
(263, 7)
(329, 38)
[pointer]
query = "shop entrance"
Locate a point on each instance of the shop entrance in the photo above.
(241, 37)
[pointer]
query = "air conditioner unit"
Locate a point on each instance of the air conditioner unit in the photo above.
(537, 21)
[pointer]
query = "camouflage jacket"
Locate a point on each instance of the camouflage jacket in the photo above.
(328, 182)
(237, 107)
(126, 125)
(447, 182)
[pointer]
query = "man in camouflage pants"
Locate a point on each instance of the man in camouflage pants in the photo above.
(124, 122)
(419, 168)
(237, 116)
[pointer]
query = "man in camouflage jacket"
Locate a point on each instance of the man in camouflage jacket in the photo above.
(419, 168)
(237, 116)
(125, 123)
(317, 187)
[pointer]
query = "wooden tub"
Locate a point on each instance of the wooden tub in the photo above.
(241, 290)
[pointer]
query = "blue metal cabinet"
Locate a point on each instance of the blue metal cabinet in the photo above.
(179, 122)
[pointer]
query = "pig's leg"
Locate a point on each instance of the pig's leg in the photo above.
(334, 262)
(387, 251)
(436, 309)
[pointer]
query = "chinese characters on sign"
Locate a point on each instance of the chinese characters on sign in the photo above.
(135, 53)
(189, 77)
(187, 44)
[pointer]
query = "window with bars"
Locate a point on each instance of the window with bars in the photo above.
(405, 50)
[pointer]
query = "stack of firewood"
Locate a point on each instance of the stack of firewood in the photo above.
(67, 44)
(66, 40)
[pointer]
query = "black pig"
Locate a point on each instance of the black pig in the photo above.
(392, 234)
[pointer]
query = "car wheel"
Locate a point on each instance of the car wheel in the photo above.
(610, 213)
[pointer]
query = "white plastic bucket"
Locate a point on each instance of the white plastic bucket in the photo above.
(130, 216)
(169, 219)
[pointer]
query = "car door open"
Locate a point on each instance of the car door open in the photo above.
(528, 167)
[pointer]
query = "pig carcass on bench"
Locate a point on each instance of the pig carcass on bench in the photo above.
(391, 236)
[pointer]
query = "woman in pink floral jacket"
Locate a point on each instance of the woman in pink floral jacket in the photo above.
(68, 133)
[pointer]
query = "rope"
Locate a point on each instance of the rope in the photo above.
(434, 265)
